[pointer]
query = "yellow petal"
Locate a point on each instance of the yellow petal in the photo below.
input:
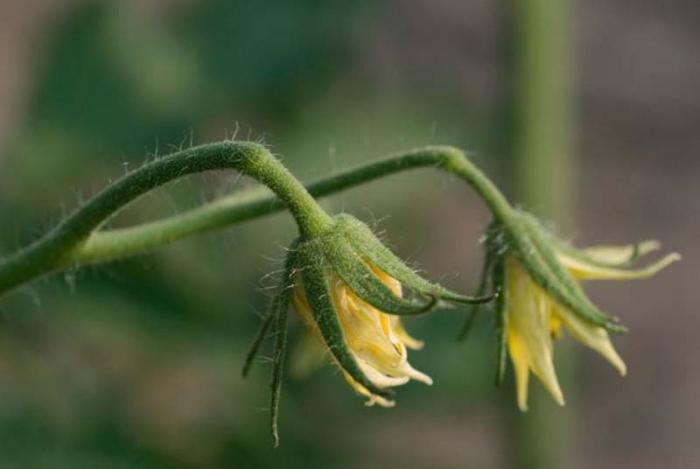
(378, 378)
(554, 327)
(372, 399)
(522, 376)
(545, 372)
(529, 333)
(621, 254)
(540, 363)
(393, 284)
(395, 287)
(377, 341)
(414, 374)
(592, 336)
(367, 331)
(587, 271)
(382, 402)
(404, 336)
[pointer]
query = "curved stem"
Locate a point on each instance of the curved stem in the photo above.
(460, 166)
(64, 244)
(77, 241)
(248, 205)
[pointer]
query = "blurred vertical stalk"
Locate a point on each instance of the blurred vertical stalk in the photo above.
(542, 105)
(538, 76)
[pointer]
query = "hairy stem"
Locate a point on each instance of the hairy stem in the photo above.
(78, 241)
(67, 243)
(252, 204)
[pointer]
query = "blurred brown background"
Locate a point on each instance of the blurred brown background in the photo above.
(136, 364)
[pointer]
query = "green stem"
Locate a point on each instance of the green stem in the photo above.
(249, 205)
(76, 242)
(63, 245)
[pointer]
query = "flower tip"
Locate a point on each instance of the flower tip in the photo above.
(557, 395)
(608, 351)
(380, 401)
(664, 262)
(417, 345)
(668, 259)
(409, 341)
(645, 247)
(673, 257)
(419, 376)
(620, 366)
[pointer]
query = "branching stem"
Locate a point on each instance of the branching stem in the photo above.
(78, 241)
(75, 240)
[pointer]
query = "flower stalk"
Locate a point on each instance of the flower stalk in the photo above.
(247, 205)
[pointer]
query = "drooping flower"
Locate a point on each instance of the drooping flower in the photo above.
(378, 341)
(539, 277)
(534, 320)
(351, 290)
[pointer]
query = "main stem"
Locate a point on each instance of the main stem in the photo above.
(62, 246)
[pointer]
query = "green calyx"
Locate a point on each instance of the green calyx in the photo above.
(351, 251)
(521, 236)
(518, 235)
(536, 252)
(355, 236)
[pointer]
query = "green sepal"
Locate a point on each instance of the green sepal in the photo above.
(485, 282)
(278, 354)
(286, 283)
(532, 261)
(586, 310)
(277, 318)
(364, 282)
(365, 241)
(500, 282)
(259, 337)
(540, 261)
(314, 270)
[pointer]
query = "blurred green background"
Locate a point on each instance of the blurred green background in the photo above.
(137, 363)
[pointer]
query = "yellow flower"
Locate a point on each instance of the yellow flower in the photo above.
(347, 287)
(535, 317)
(377, 341)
